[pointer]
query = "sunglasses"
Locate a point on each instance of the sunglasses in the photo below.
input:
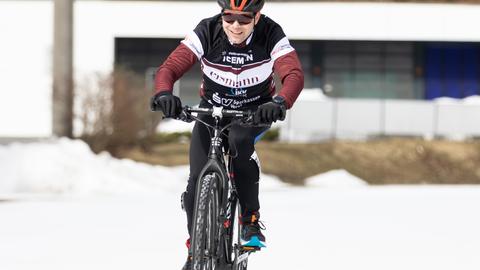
(242, 19)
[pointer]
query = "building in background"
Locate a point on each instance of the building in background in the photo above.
(420, 61)
(403, 51)
(349, 69)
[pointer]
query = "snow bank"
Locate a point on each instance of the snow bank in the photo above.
(68, 167)
(335, 179)
(172, 126)
(470, 100)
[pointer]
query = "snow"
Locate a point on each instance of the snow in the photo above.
(470, 100)
(335, 179)
(172, 126)
(66, 208)
(70, 167)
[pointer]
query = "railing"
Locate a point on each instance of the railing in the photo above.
(317, 118)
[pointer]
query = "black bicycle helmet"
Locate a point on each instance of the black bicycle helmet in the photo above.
(242, 5)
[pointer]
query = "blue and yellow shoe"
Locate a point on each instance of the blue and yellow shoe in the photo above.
(251, 234)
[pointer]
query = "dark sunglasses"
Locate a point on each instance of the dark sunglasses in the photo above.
(240, 18)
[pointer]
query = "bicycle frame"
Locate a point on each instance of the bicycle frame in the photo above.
(218, 163)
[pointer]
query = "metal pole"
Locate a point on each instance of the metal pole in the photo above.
(63, 69)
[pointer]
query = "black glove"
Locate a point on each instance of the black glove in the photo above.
(271, 111)
(170, 105)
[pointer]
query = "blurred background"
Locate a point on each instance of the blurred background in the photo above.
(391, 102)
(399, 78)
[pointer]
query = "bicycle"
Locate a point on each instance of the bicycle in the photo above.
(215, 225)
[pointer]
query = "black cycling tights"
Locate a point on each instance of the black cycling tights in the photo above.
(246, 170)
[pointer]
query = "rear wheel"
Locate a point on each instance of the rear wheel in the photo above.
(205, 232)
(241, 265)
(231, 230)
(241, 256)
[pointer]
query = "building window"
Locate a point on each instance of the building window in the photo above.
(362, 69)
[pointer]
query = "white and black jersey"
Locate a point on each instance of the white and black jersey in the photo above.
(236, 76)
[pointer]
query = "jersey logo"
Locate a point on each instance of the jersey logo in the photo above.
(232, 103)
(222, 101)
(238, 92)
(232, 83)
(237, 58)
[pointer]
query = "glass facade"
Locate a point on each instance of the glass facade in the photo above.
(369, 70)
(452, 70)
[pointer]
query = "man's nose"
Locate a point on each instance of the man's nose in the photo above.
(236, 23)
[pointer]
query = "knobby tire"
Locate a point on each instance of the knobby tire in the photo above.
(205, 235)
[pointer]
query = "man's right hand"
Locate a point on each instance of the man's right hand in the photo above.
(170, 105)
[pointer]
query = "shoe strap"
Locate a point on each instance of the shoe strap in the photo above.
(248, 219)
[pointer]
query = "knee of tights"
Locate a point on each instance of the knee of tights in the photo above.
(242, 149)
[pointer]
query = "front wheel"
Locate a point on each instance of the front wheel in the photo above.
(205, 230)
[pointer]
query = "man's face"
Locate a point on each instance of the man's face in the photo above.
(238, 24)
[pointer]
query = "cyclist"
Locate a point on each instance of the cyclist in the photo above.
(239, 50)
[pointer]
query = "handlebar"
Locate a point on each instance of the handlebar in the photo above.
(218, 112)
(243, 117)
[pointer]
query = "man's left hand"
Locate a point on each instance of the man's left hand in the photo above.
(271, 111)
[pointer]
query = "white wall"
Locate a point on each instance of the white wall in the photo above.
(318, 118)
(26, 29)
(97, 23)
(357, 117)
(378, 21)
(407, 117)
(458, 120)
(26, 33)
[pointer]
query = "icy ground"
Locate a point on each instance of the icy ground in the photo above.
(64, 208)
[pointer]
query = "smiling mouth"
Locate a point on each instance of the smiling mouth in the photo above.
(236, 33)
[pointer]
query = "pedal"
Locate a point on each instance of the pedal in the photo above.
(250, 249)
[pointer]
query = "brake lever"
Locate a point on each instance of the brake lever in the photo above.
(250, 122)
(185, 117)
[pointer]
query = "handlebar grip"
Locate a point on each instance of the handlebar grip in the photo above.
(283, 112)
(283, 116)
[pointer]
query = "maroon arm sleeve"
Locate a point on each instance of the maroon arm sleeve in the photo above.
(177, 63)
(289, 69)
